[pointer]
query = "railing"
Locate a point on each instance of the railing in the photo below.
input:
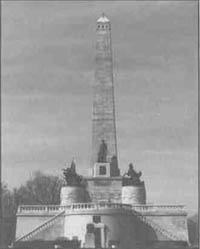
(38, 208)
(72, 207)
(98, 206)
(159, 208)
(39, 228)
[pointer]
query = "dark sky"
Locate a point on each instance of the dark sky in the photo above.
(48, 51)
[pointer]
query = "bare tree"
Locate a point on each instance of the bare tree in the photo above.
(41, 189)
(9, 215)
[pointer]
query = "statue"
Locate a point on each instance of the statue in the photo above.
(114, 170)
(102, 154)
(71, 177)
(132, 177)
(132, 173)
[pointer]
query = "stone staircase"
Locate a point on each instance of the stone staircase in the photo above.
(169, 231)
(40, 228)
(164, 231)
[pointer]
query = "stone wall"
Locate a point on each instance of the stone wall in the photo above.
(175, 225)
(52, 232)
(26, 223)
(162, 229)
(73, 194)
(118, 228)
(105, 189)
(146, 229)
(134, 195)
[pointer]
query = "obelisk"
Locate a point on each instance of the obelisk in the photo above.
(103, 122)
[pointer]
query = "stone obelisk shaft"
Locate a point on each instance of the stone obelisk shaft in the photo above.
(104, 127)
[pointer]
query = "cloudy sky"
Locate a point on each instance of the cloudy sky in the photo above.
(48, 51)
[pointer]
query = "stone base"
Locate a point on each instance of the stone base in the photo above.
(134, 195)
(114, 224)
(73, 194)
(103, 189)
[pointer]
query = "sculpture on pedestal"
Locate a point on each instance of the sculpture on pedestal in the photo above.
(71, 177)
(132, 177)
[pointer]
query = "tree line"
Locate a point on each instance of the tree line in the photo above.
(39, 190)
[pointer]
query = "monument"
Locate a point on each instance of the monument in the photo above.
(103, 121)
(105, 210)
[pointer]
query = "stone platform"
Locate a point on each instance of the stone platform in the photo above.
(143, 224)
(104, 188)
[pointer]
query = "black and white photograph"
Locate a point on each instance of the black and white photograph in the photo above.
(99, 124)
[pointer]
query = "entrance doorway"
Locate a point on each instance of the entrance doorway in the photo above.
(97, 237)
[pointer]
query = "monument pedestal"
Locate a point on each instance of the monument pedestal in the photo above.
(134, 195)
(73, 194)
